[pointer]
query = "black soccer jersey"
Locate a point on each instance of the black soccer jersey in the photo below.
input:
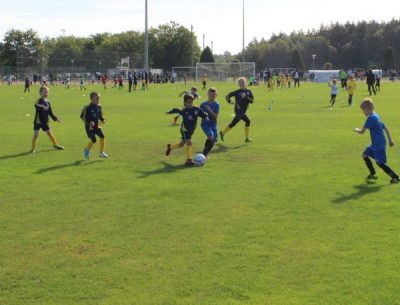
(92, 113)
(189, 116)
(43, 111)
(243, 97)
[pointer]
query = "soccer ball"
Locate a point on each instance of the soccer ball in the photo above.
(199, 159)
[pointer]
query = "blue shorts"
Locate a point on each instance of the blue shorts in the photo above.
(378, 154)
(211, 131)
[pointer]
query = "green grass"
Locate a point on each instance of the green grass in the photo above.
(287, 219)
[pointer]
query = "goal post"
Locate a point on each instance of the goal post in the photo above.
(225, 71)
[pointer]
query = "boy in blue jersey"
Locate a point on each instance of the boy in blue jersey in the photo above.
(41, 121)
(243, 98)
(377, 150)
(189, 114)
(193, 91)
(211, 107)
(92, 116)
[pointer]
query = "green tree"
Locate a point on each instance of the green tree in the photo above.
(388, 59)
(206, 55)
(170, 45)
(22, 48)
(297, 60)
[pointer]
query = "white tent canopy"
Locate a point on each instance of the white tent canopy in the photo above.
(322, 76)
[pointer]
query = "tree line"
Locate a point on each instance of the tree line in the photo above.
(169, 45)
(350, 45)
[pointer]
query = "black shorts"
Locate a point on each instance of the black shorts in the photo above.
(44, 127)
(186, 135)
(333, 96)
(92, 132)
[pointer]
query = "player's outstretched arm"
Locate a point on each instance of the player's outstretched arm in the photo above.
(389, 136)
(360, 130)
(175, 110)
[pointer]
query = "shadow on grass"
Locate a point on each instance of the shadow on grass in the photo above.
(220, 148)
(62, 166)
(166, 169)
(361, 191)
(27, 153)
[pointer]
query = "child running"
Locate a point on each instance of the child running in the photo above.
(209, 125)
(334, 92)
(189, 114)
(193, 91)
(92, 116)
(43, 111)
(243, 98)
(377, 150)
(351, 87)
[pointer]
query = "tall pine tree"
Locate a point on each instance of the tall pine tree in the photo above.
(207, 55)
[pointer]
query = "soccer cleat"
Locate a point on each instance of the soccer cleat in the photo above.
(248, 140)
(168, 150)
(59, 147)
(33, 151)
(222, 136)
(189, 162)
(86, 153)
(371, 177)
(103, 155)
(394, 180)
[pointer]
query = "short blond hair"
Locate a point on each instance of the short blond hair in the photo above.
(242, 78)
(367, 104)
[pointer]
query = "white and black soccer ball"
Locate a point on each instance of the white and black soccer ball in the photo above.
(199, 159)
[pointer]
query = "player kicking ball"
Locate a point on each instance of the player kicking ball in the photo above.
(189, 113)
(92, 116)
(377, 150)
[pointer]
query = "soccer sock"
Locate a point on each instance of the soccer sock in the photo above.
(369, 165)
(52, 138)
(90, 145)
(102, 144)
(175, 146)
(227, 128)
(34, 143)
(388, 170)
(247, 131)
(208, 146)
(189, 152)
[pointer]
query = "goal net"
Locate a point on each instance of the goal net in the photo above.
(225, 71)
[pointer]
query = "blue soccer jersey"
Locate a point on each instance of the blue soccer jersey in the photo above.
(214, 106)
(376, 128)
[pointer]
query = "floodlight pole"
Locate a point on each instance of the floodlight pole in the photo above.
(313, 60)
(191, 45)
(146, 42)
(243, 58)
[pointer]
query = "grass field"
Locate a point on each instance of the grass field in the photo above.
(287, 219)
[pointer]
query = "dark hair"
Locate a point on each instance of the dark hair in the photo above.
(187, 97)
(93, 94)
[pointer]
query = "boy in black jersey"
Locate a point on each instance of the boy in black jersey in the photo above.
(243, 97)
(189, 114)
(92, 116)
(43, 111)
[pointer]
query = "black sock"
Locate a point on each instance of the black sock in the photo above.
(208, 146)
(369, 165)
(388, 171)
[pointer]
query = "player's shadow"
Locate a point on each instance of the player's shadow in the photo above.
(361, 191)
(166, 169)
(62, 166)
(220, 148)
(27, 153)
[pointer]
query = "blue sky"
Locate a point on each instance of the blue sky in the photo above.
(219, 20)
